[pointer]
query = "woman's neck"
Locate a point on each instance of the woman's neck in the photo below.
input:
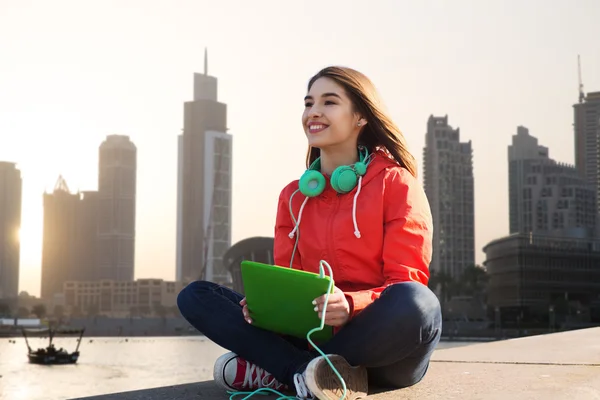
(331, 158)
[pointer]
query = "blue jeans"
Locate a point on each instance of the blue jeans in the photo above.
(393, 337)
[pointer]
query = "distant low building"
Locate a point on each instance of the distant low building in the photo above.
(532, 276)
(20, 322)
(143, 297)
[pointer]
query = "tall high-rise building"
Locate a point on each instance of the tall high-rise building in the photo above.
(116, 208)
(204, 185)
(448, 183)
(60, 259)
(69, 249)
(586, 126)
(88, 220)
(547, 197)
(10, 224)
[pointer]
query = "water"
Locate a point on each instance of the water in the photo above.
(109, 365)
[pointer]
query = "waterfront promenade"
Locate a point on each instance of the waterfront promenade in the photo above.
(562, 365)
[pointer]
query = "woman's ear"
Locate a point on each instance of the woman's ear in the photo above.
(361, 122)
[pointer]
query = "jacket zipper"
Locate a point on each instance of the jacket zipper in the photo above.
(331, 248)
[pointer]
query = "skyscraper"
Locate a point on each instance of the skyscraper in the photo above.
(448, 182)
(10, 223)
(547, 197)
(116, 208)
(586, 126)
(204, 185)
(60, 259)
(88, 220)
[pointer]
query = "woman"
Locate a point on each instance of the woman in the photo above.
(359, 207)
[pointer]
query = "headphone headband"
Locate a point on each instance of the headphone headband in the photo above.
(363, 155)
(343, 180)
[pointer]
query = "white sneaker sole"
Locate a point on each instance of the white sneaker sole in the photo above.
(219, 370)
(325, 385)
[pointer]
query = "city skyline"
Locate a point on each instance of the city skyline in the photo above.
(549, 262)
(529, 77)
(90, 235)
(199, 86)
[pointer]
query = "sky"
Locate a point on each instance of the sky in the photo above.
(73, 72)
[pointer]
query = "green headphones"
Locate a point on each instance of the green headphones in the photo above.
(343, 179)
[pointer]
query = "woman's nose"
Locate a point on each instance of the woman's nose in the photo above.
(314, 112)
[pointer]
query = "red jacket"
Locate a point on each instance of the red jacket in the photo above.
(394, 220)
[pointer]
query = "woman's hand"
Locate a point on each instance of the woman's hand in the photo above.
(245, 311)
(338, 309)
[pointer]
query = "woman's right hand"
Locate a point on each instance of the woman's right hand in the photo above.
(245, 310)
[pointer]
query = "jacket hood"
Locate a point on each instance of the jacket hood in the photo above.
(379, 160)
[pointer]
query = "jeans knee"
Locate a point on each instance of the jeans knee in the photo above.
(189, 295)
(418, 303)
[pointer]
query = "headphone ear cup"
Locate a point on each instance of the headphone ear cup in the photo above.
(312, 183)
(344, 179)
(360, 168)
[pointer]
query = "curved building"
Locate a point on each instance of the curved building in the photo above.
(259, 249)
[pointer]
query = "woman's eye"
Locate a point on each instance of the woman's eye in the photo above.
(307, 105)
(328, 103)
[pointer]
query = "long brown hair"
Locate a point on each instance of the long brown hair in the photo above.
(380, 131)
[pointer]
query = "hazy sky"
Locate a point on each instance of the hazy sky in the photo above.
(72, 72)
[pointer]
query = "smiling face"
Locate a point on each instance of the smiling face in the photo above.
(329, 119)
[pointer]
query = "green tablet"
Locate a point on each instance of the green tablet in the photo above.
(280, 299)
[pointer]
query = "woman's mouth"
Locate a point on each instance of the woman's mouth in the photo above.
(316, 128)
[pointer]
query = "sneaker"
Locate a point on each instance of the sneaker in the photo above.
(236, 374)
(320, 381)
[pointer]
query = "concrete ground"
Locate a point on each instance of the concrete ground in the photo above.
(562, 365)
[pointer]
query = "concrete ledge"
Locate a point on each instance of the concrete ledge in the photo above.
(202, 390)
(571, 348)
(558, 366)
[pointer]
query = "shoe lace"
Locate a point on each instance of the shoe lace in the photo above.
(302, 390)
(257, 377)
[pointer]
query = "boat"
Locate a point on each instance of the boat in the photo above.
(50, 355)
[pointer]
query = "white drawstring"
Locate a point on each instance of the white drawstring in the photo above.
(356, 231)
(291, 234)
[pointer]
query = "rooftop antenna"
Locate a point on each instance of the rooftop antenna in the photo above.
(205, 61)
(61, 185)
(581, 94)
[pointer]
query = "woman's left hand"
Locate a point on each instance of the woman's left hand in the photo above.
(338, 309)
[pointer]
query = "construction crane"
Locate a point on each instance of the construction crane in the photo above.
(581, 93)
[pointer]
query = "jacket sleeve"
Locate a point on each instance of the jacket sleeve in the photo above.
(407, 241)
(283, 245)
